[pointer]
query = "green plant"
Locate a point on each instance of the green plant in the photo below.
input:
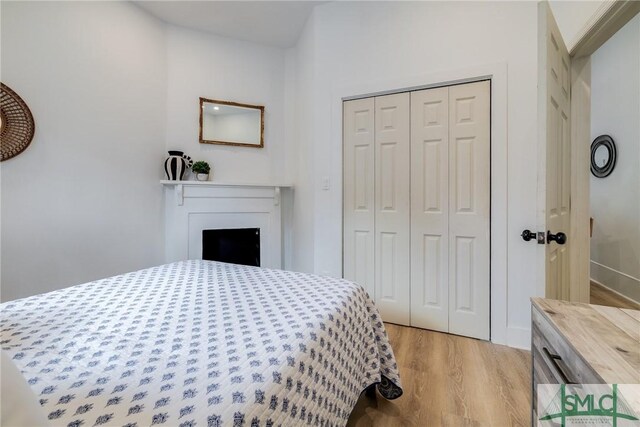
(200, 167)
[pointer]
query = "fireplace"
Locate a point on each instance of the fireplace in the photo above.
(194, 206)
(233, 245)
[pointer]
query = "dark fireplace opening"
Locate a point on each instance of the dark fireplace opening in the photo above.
(233, 245)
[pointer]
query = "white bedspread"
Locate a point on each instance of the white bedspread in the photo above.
(200, 343)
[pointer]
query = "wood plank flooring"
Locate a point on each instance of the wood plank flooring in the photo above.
(456, 381)
(603, 296)
(451, 381)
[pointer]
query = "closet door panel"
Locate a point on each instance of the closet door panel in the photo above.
(359, 208)
(392, 207)
(469, 209)
(430, 209)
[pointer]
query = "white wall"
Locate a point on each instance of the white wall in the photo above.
(300, 74)
(114, 88)
(83, 201)
(347, 44)
(108, 55)
(615, 200)
(205, 65)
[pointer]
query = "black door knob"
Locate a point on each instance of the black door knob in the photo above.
(528, 235)
(560, 238)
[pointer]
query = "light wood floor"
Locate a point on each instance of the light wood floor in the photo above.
(451, 381)
(603, 296)
(456, 381)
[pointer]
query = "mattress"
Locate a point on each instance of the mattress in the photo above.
(201, 343)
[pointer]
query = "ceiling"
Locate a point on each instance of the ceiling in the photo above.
(275, 23)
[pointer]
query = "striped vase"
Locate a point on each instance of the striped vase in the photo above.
(176, 165)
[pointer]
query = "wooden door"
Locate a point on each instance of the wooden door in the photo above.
(469, 209)
(359, 209)
(450, 209)
(554, 156)
(392, 207)
(430, 209)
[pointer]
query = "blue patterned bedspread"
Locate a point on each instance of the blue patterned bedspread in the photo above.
(201, 343)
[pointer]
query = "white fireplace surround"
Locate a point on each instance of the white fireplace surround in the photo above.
(193, 206)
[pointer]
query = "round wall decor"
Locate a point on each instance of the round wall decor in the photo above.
(16, 124)
(603, 156)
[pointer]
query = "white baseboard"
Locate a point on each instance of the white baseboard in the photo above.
(613, 270)
(515, 337)
(519, 337)
(622, 283)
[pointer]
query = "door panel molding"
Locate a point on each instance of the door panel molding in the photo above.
(430, 209)
(503, 331)
(359, 208)
(469, 209)
(554, 156)
(391, 138)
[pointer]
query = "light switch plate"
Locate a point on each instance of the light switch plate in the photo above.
(326, 183)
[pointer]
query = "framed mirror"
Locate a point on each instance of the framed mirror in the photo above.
(231, 123)
(603, 156)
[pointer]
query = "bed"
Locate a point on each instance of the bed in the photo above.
(201, 343)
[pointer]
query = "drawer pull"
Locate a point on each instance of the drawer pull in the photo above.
(554, 358)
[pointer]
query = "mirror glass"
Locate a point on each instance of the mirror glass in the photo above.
(601, 156)
(231, 123)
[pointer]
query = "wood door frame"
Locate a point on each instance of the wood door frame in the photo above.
(500, 331)
(605, 22)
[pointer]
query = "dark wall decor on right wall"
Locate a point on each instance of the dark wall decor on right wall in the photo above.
(603, 156)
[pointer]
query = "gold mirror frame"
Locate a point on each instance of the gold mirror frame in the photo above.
(234, 104)
(18, 127)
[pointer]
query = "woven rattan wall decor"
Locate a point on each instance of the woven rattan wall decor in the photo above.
(16, 131)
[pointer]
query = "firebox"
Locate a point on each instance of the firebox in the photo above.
(233, 245)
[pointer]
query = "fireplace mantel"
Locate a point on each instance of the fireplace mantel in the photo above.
(180, 185)
(224, 184)
(194, 206)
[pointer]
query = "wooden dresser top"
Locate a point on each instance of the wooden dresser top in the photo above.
(606, 338)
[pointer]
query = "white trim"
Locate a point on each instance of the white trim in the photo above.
(497, 73)
(214, 207)
(603, 24)
(223, 184)
(475, 78)
(602, 285)
(591, 23)
(615, 271)
(519, 337)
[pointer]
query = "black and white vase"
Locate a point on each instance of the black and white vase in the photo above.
(176, 165)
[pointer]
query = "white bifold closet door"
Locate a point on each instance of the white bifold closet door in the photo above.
(359, 209)
(392, 285)
(416, 205)
(430, 209)
(450, 209)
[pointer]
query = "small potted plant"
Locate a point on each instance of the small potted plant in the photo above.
(201, 169)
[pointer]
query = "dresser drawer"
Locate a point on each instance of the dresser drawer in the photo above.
(554, 360)
(583, 344)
